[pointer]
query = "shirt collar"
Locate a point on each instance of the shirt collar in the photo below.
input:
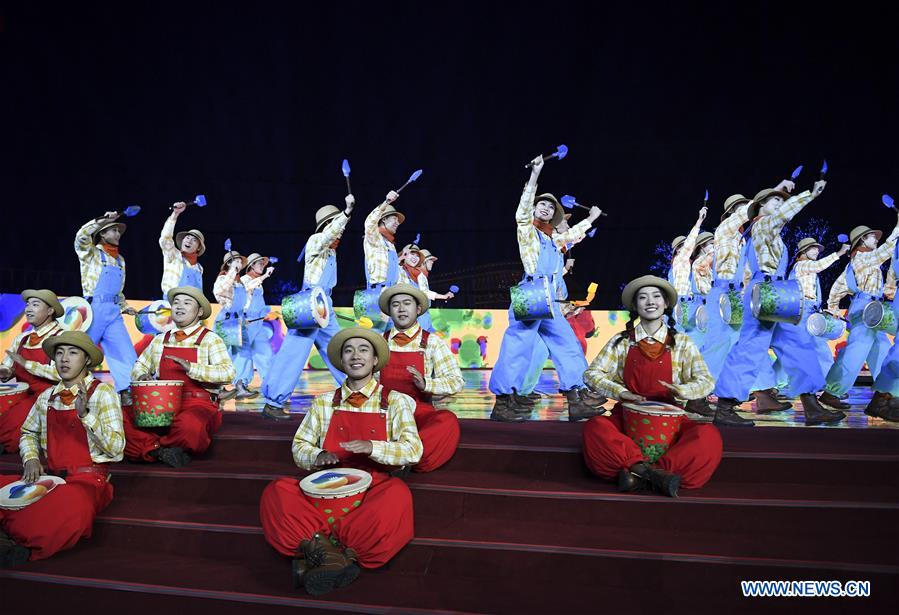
(411, 331)
(60, 386)
(660, 335)
(367, 390)
(46, 327)
(190, 330)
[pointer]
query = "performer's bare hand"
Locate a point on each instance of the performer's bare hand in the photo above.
(417, 379)
(818, 188)
(595, 212)
(183, 363)
(178, 208)
(569, 264)
(81, 400)
(671, 387)
(235, 265)
(145, 377)
(537, 165)
(392, 196)
(5, 374)
(111, 215)
(843, 249)
(449, 295)
(32, 471)
(350, 201)
(363, 447)
(628, 396)
(129, 311)
(702, 213)
(16, 357)
(326, 459)
(269, 271)
(786, 186)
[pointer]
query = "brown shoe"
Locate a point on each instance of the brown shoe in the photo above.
(816, 414)
(883, 406)
(701, 407)
(505, 412)
(726, 414)
(591, 399)
(577, 409)
(832, 401)
(766, 402)
(274, 413)
(327, 566)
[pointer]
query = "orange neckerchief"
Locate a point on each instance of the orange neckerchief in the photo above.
(190, 258)
(34, 338)
(412, 271)
(335, 243)
(545, 227)
(401, 338)
(651, 350)
(424, 270)
(67, 397)
(386, 234)
(858, 249)
(356, 399)
(113, 251)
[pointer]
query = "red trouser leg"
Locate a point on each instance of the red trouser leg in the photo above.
(288, 518)
(382, 526)
(61, 518)
(439, 433)
(194, 425)
(142, 343)
(695, 455)
(138, 443)
(11, 423)
(606, 449)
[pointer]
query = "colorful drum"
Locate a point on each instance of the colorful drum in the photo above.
(233, 330)
(776, 301)
(18, 495)
(365, 304)
(307, 309)
(155, 318)
(532, 299)
(653, 425)
(730, 307)
(702, 318)
(156, 402)
(336, 492)
(826, 325)
(11, 394)
(78, 314)
(879, 315)
(690, 314)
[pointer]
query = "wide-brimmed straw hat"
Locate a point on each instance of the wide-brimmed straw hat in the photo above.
(377, 341)
(197, 295)
(390, 210)
(48, 297)
(180, 237)
(403, 289)
(630, 291)
(324, 215)
(78, 339)
(558, 214)
(859, 232)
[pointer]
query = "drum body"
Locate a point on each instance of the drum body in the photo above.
(11, 394)
(233, 330)
(654, 426)
(702, 317)
(825, 325)
(879, 315)
(336, 492)
(365, 304)
(78, 314)
(730, 307)
(691, 314)
(155, 318)
(777, 301)
(156, 402)
(307, 309)
(532, 299)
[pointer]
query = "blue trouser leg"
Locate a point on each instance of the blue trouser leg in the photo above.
(287, 366)
(878, 353)
(564, 351)
(262, 353)
(863, 345)
(515, 354)
(242, 357)
(535, 369)
(108, 330)
(887, 378)
(719, 336)
(798, 353)
(825, 355)
(781, 380)
(425, 322)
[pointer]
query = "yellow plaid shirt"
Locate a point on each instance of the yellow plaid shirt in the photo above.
(442, 373)
(402, 447)
(41, 370)
(688, 369)
(375, 247)
(425, 287)
(806, 273)
(92, 264)
(680, 264)
(866, 266)
(769, 247)
(528, 235)
(103, 423)
(172, 259)
(213, 364)
(319, 250)
(889, 287)
(729, 243)
(702, 273)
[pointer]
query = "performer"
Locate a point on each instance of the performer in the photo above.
(421, 365)
(411, 267)
(179, 255)
(77, 426)
(256, 351)
(682, 251)
(232, 297)
(538, 243)
(197, 357)
(29, 363)
(885, 402)
(361, 425)
(700, 280)
(650, 361)
(320, 270)
(381, 262)
(427, 265)
(103, 282)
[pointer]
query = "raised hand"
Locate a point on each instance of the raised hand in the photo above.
(417, 379)
(81, 400)
(350, 201)
(326, 459)
(818, 188)
(392, 196)
(178, 208)
(363, 447)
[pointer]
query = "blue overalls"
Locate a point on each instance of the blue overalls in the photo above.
(189, 275)
(235, 312)
(720, 336)
(520, 338)
(257, 348)
(691, 303)
(291, 358)
(108, 327)
(887, 381)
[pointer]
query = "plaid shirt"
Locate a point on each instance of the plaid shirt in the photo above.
(729, 243)
(375, 247)
(702, 274)
(319, 250)
(172, 259)
(103, 423)
(92, 263)
(47, 371)
(402, 447)
(441, 372)
(806, 273)
(866, 266)
(688, 369)
(528, 235)
(213, 364)
(889, 287)
(680, 264)
(769, 247)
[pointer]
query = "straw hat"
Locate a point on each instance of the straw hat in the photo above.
(425, 255)
(403, 289)
(324, 215)
(180, 237)
(391, 211)
(230, 256)
(704, 238)
(377, 341)
(859, 232)
(48, 297)
(807, 243)
(252, 258)
(197, 295)
(732, 202)
(630, 291)
(78, 339)
(559, 214)
(96, 236)
(767, 193)
(678, 241)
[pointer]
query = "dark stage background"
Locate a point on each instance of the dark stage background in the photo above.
(255, 105)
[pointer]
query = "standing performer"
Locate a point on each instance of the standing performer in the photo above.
(361, 425)
(256, 351)
(885, 402)
(77, 426)
(411, 266)
(198, 358)
(231, 295)
(427, 265)
(320, 270)
(748, 366)
(103, 283)
(381, 262)
(683, 247)
(538, 245)
(179, 255)
(29, 363)
(650, 361)
(421, 365)
(864, 280)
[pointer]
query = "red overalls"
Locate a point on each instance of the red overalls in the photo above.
(12, 419)
(438, 429)
(582, 324)
(194, 424)
(607, 449)
(377, 531)
(65, 515)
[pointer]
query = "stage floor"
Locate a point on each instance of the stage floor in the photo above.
(476, 401)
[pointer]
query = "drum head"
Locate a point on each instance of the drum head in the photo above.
(755, 299)
(161, 322)
(335, 483)
(872, 314)
(702, 318)
(321, 312)
(13, 388)
(78, 314)
(816, 324)
(724, 307)
(20, 494)
(654, 407)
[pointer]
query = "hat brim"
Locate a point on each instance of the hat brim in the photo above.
(335, 346)
(242, 259)
(863, 235)
(403, 289)
(196, 294)
(180, 237)
(94, 354)
(47, 297)
(559, 211)
(401, 217)
(250, 263)
(122, 227)
(325, 221)
(809, 247)
(630, 291)
(733, 206)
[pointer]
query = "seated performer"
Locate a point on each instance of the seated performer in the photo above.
(77, 425)
(361, 425)
(650, 361)
(28, 362)
(421, 365)
(196, 356)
